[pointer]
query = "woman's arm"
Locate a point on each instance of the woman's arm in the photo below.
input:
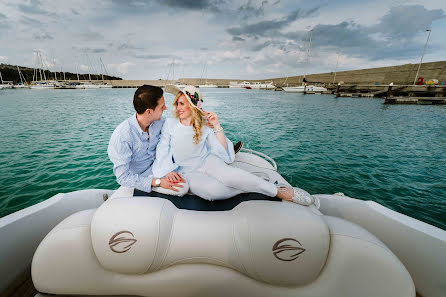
(217, 142)
(212, 118)
(163, 162)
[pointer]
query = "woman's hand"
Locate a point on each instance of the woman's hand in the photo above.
(212, 119)
(174, 177)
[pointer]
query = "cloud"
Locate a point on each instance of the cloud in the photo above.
(154, 57)
(122, 68)
(236, 38)
(91, 36)
(405, 21)
(250, 9)
(90, 50)
(3, 58)
(30, 21)
(43, 36)
(265, 28)
(33, 7)
(192, 4)
(3, 17)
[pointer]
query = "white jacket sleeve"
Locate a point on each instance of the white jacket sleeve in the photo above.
(164, 162)
(215, 147)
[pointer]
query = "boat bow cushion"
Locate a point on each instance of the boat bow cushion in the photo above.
(273, 242)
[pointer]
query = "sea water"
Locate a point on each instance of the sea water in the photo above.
(55, 141)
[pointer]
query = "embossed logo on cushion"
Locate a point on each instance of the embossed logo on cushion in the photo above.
(122, 241)
(287, 249)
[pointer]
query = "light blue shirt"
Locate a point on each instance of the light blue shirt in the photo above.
(177, 152)
(132, 153)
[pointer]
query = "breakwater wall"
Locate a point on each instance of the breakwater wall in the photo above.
(399, 75)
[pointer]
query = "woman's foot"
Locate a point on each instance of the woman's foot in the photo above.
(297, 195)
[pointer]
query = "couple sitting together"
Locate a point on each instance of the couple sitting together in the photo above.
(186, 153)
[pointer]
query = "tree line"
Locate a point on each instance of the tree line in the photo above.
(10, 73)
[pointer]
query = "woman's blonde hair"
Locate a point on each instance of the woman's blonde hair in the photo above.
(197, 118)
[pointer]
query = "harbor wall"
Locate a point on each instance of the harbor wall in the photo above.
(399, 75)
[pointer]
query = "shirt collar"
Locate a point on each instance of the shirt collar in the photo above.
(134, 123)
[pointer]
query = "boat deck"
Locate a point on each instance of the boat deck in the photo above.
(23, 287)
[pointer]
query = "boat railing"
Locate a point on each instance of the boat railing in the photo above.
(266, 157)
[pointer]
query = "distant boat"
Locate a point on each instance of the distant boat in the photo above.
(205, 74)
(208, 86)
(244, 84)
(43, 85)
(5, 84)
(263, 86)
(304, 88)
(22, 83)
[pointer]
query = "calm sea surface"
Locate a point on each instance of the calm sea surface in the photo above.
(56, 141)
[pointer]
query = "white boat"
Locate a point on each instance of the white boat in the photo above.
(302, 89)
(207, 86)
(22, 83)
(43, 85)
(81, 245)
(5, 84)
(243, 84)
(20, 86)
(263, 86)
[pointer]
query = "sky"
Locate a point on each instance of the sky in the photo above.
(237, 39)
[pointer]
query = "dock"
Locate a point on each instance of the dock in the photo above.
(395, 94)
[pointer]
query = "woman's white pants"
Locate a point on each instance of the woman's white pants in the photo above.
(216, 180)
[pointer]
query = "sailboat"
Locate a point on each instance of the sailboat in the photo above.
(22, 83)
(304, 87)
(4, 84)
(206, 85)
(40, 70)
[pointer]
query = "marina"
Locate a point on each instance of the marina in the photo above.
(222, 148)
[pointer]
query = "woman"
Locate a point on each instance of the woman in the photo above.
(200, 154)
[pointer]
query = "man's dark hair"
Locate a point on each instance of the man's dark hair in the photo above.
(145, 97)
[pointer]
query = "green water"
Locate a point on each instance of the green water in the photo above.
(56, 141)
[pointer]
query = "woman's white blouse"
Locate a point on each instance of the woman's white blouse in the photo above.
(176, 150)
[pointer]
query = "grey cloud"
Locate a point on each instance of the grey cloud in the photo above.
(90, 50)
(33, 7)
(192, 4)
(204, 49)
(91, 36)
(265, 28)
(405, 21)
(30, 21)
(236, 38)
(2, 17)
(154, 57)
(248, 9)
(259, 47)
(43, 36)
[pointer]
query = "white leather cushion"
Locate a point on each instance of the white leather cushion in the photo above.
(280, 243)
(125, 233)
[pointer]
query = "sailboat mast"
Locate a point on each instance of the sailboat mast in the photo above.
(308, 54)
(336, 68)
(18, 70)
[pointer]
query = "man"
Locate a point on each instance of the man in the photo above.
(132, 147)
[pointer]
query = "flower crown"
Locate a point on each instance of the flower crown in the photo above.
(195, 98)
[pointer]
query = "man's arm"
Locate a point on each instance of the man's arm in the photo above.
(120, 154)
